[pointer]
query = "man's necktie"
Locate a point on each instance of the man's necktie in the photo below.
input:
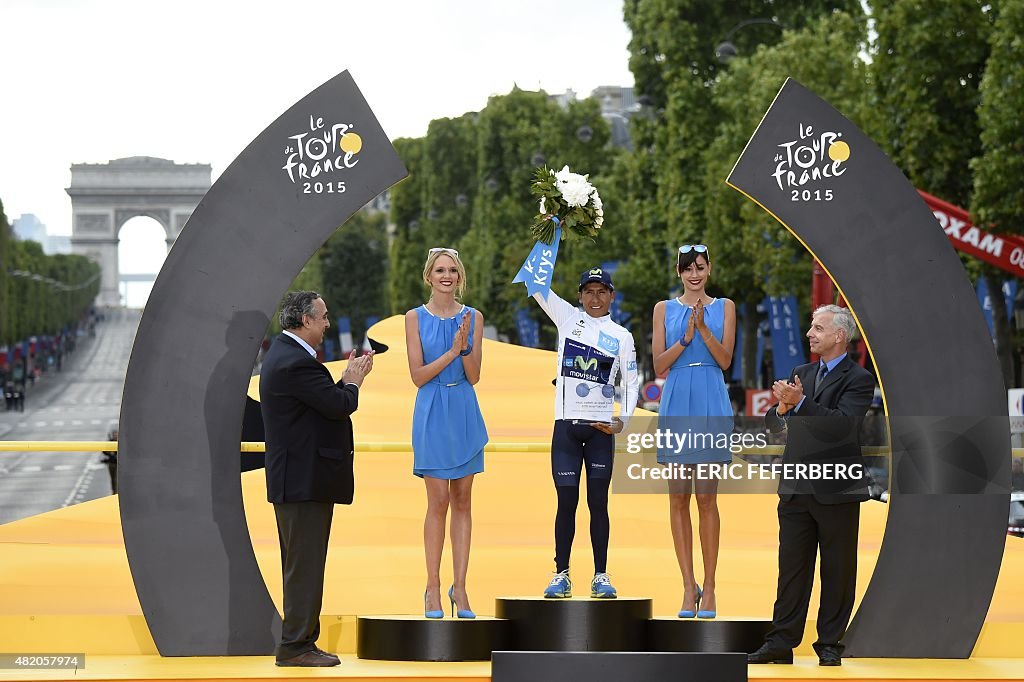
(820, 377)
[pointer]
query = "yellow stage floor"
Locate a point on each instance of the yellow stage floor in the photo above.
(237, 669)
(65, 584)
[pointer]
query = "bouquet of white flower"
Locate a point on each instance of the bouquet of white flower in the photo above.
(569, 197)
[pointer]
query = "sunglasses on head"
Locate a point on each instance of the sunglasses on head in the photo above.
(687, 248)
(442, 249)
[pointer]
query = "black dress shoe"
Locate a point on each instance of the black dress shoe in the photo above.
(309, 659)
(829, 656)
(327, 654)
(767, 654)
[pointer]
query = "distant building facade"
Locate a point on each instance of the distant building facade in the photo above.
(618, 105)
(28, 227)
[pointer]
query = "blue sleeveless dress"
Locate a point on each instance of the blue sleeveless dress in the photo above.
(448, 432)
(694, 397)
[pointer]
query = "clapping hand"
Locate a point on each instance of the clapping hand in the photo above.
(788, 394)
(698, 317)
(357, 368)
(460, 343)
(690, 327)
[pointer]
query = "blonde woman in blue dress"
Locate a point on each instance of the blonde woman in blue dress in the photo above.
(444, 343)
(693, 337)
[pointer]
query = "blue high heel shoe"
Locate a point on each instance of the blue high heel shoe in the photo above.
(690, 613)
(704, 613)
(437, 613)
(463, 613)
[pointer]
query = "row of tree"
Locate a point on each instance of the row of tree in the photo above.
(939, 86)
(41, 294)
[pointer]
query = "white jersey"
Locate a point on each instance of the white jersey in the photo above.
(592, 351)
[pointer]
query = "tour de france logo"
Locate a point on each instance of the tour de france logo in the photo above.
(806, 167)
(315, 156)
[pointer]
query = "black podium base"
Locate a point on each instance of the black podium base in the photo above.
(558, 666)
(538, 624)
(414, 638)
(698, 634)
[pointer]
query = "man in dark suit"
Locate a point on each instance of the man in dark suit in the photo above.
(309, 464)
(820, 408)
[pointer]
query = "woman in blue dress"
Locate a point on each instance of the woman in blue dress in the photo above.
(693, 337)
(443, 339)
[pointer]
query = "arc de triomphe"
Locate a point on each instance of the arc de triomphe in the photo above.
(104, 196)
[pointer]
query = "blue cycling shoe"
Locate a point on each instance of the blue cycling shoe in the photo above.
(601, 587)
(463, 613)
(690, 613)
(560, 587)
(435, 613)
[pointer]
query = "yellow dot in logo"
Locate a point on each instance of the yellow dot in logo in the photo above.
(351, 143)
(837, 151)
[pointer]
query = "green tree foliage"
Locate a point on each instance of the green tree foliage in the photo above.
(354, 264)
(998, 197)
(310, 278)
(469, 189)
(450, 180)
(41, 294)
(514, 131)
(676, 72)
(405, 286)
(823, 57)
(916, 94)
(645, 277)
(929, 58)
(756, 255)
(434, 206)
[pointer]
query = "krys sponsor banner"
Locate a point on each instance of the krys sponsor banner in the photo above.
(539, 266)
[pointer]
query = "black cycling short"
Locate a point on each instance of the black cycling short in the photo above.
(572, 445)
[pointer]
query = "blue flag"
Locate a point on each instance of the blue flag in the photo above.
(528, 328)
(615, 310)
(540, 265)
(985, 300)
(787, 345)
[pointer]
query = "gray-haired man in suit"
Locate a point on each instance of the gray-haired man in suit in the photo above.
(309, 464)
(820, 406)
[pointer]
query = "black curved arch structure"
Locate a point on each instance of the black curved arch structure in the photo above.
(946, 527)
(180, 494)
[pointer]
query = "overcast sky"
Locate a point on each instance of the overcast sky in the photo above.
(86, 81)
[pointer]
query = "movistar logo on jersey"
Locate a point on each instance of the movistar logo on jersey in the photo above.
(583, 362)
(608, 343)
(586, 364)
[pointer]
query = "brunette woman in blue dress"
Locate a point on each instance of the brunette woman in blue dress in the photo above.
(693, 336)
